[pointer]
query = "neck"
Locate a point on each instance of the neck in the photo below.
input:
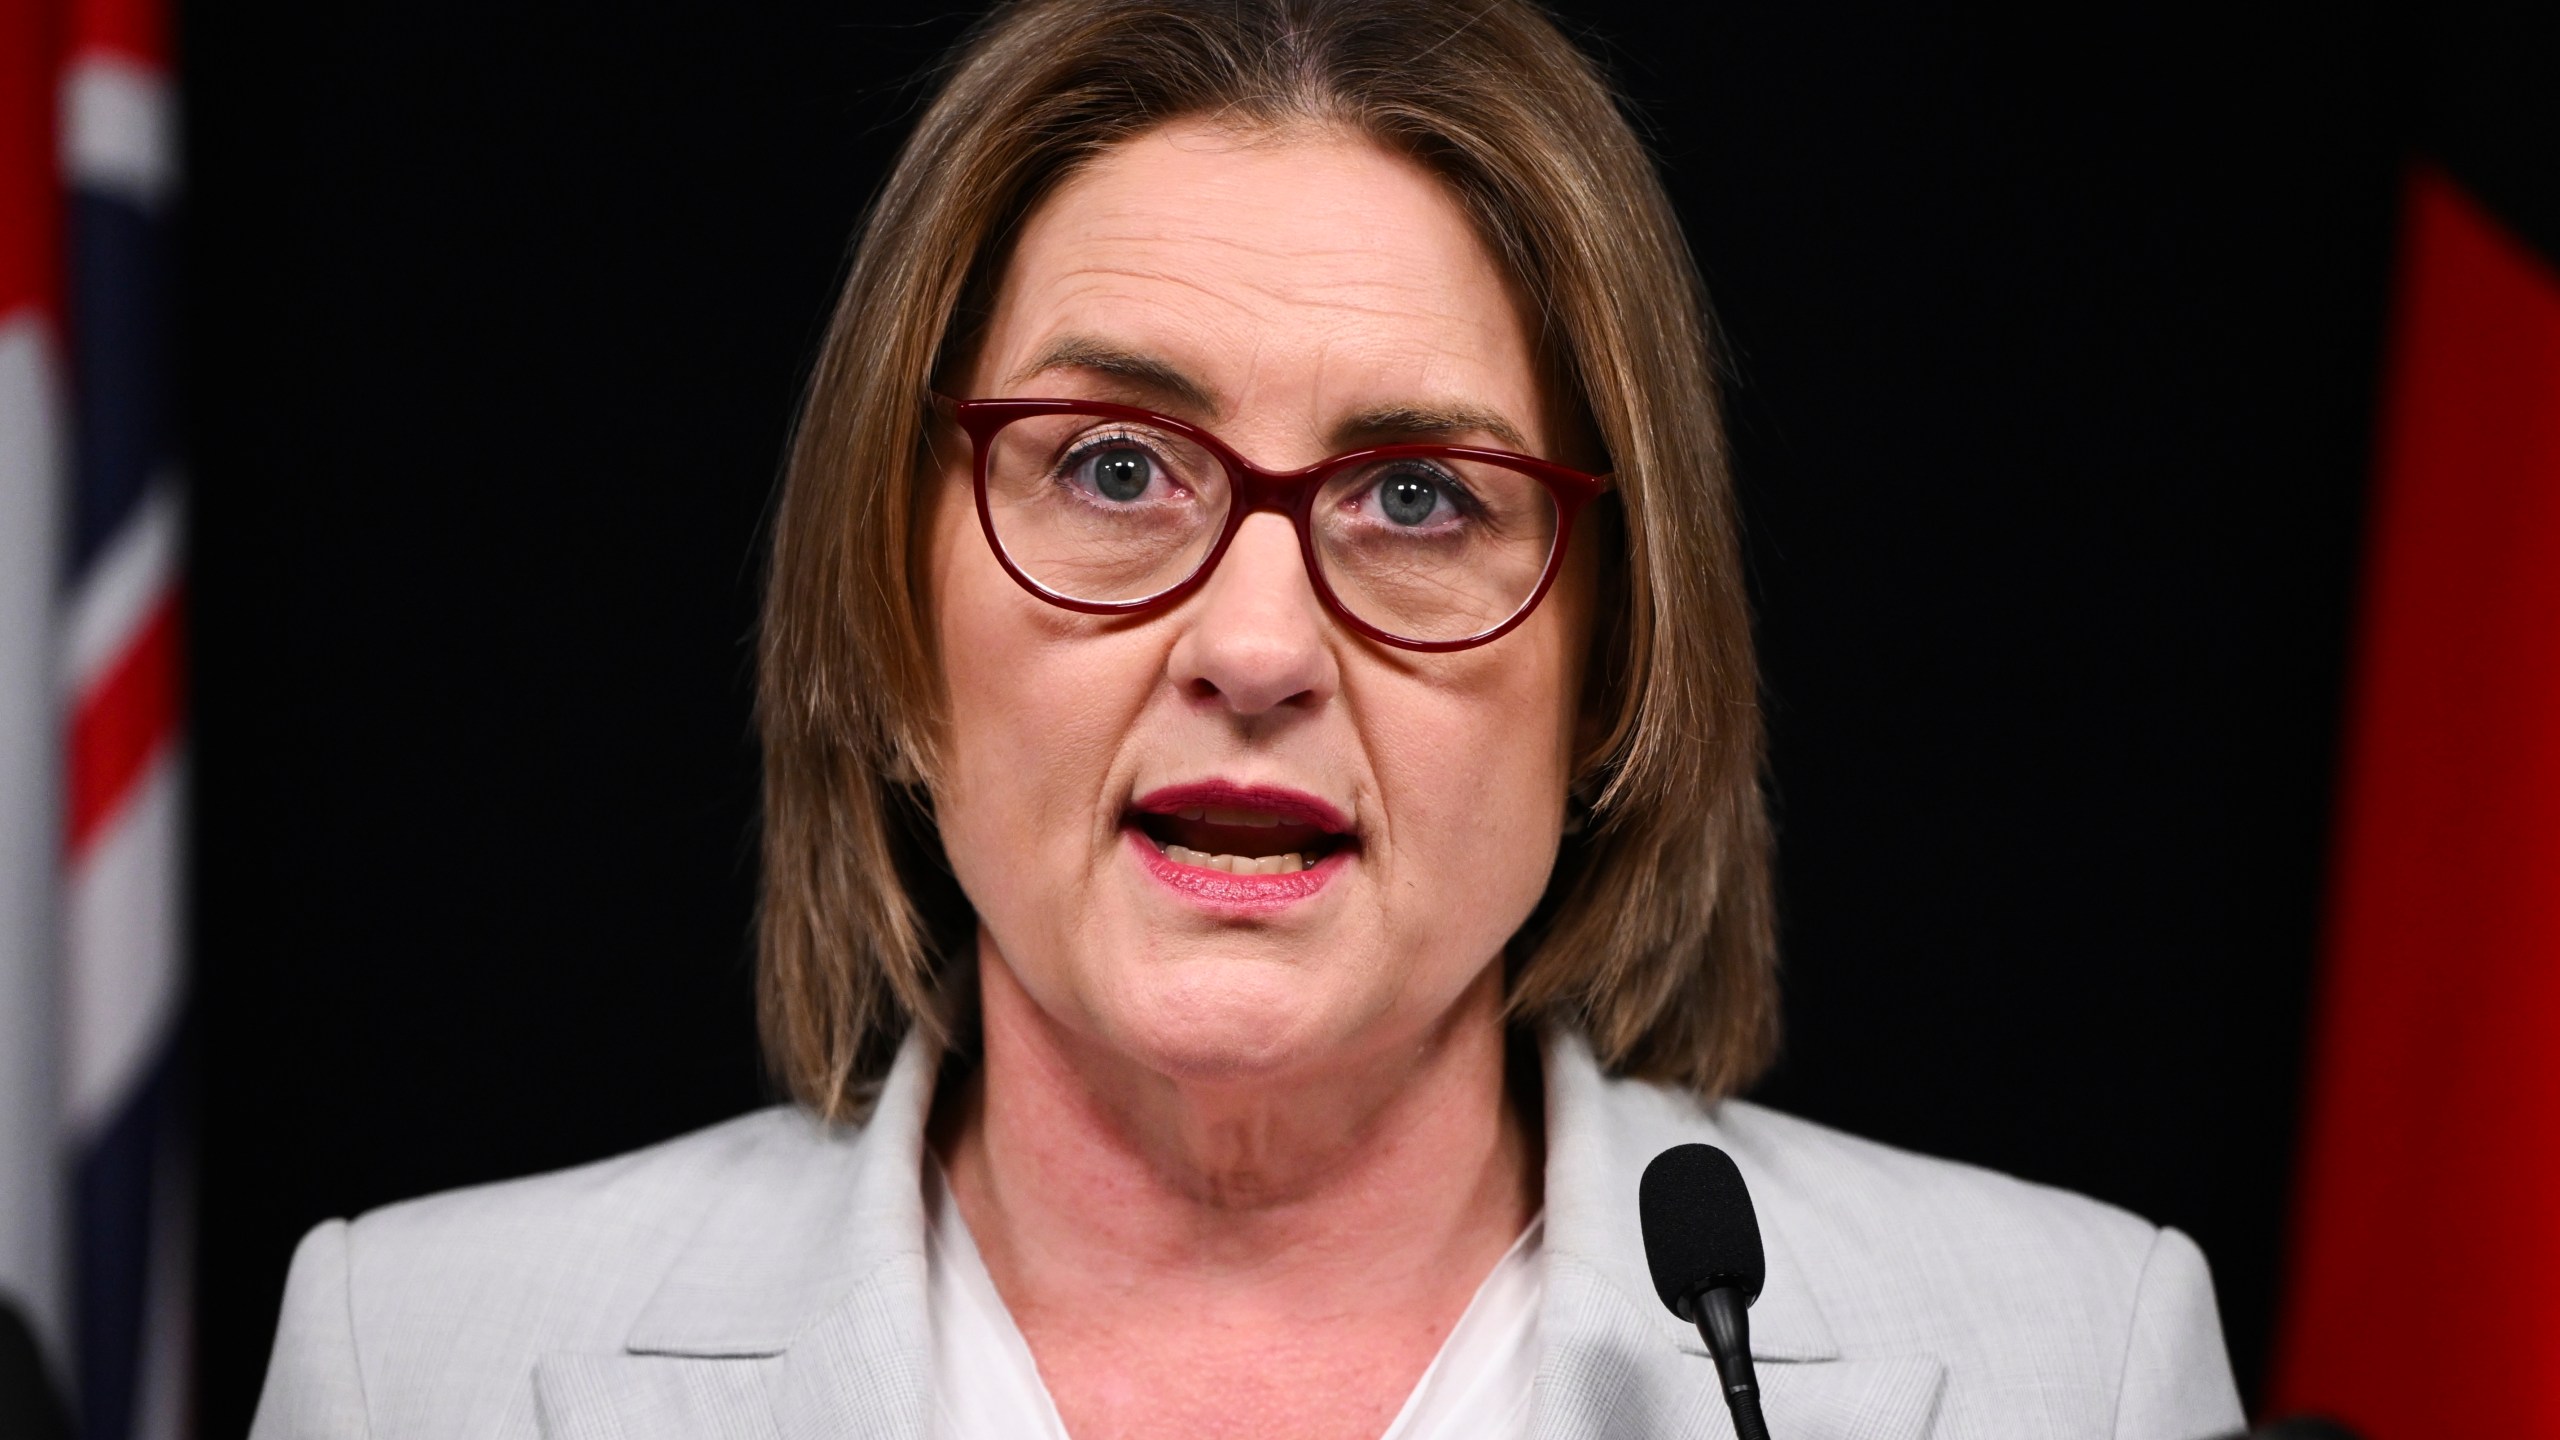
(1388, 1182)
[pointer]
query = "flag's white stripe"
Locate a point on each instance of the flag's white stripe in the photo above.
(121, 931)
(120, 129)
(31, 1179)
(124, 584)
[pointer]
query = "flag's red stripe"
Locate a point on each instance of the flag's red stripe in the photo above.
(29, 185)
(2424, 1297)
(134, 29)
(123, 720)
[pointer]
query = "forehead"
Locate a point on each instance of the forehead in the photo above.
(1294, 276)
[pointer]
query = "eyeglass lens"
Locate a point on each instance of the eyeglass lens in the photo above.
(1107, 510)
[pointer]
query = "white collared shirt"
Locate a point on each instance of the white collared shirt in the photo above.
(987, 1387)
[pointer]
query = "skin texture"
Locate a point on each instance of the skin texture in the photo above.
(1272, 1154)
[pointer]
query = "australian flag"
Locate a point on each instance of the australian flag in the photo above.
(96, 1195)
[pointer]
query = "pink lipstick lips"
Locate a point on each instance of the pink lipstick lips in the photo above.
(1234, 846)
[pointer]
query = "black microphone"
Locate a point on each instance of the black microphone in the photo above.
(1702, 1241)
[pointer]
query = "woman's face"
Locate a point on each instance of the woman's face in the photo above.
(1298, 295)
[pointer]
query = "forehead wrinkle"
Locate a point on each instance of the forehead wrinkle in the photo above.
(1360, 272)
(1241, 306)
(1367, 295)
(1411, 409)
(1143, 357)
(1091, 275)
(1149, 231)
(1327, 351)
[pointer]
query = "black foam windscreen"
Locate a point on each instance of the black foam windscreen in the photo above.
(1699, 1229)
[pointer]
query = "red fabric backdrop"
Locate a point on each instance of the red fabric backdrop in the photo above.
(2424, 1296)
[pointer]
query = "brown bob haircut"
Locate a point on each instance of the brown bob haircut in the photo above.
(1656, 936)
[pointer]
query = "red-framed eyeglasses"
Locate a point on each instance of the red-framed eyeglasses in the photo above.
(1111, 510)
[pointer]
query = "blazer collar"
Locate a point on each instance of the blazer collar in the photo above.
(816, 1283)
(843, 1206)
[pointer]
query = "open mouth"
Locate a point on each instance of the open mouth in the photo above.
(1241, 836)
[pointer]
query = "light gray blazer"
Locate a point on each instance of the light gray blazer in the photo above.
(764, 1280)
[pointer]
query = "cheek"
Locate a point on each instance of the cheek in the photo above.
(1034, 712)
(1473, 771)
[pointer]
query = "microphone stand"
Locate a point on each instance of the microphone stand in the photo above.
(1723, 1317)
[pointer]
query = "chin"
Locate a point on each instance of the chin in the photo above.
(1228, 1020)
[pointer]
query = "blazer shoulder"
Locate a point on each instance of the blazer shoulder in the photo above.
(2038, 1300)
(562, 1262)
(1866, 1194)
(636, 1194)
(579, 1241)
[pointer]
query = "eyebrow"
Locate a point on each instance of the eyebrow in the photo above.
(1161, 378)
(1430, 422)
(1167, 382)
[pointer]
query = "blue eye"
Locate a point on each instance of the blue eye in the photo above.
(1412, 494)
(1120, 472)
(1408, 499)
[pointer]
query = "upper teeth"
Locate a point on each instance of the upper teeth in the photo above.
(1288, 864)
(1260, 818)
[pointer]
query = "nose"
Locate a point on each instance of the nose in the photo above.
(1255, 636)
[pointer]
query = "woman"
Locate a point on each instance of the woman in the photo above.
(1262, 839)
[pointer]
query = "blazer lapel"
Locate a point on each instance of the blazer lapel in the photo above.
(1616, 1364)
(796, 1312)
(652, 1397)
(864, 1368)
(858, 1369)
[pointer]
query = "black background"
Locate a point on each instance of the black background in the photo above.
(2054, 346)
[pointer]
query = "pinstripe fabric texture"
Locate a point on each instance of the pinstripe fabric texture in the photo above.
(764, 1280)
